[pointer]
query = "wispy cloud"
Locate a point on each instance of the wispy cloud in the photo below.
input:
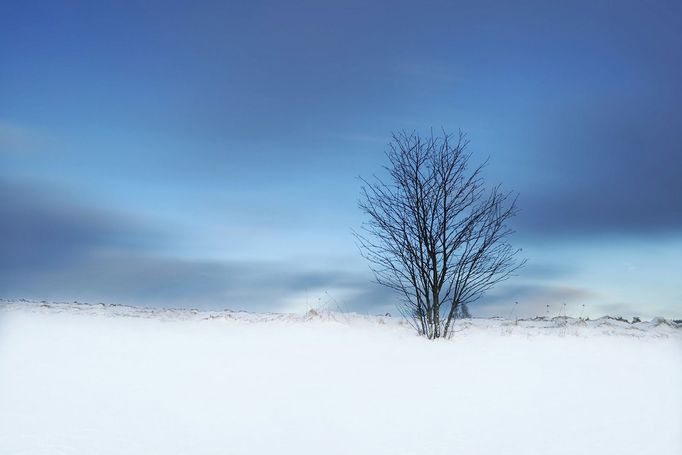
(607, 166)
(15, 138)
(41, 226)
(57, 249)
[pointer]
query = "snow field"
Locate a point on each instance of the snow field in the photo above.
(115, 381)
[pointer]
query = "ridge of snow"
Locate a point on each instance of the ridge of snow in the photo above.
(557, 326)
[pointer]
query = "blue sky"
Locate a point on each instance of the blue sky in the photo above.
(207, 154)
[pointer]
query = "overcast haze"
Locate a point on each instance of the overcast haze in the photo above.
(184, 155)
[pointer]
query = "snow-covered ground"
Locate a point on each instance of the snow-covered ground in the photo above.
(98, 379)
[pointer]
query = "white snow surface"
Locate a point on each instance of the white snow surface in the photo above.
(107, 379)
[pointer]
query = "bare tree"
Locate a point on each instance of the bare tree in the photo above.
(436, 234)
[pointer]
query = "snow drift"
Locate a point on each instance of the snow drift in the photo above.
(106, 379)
